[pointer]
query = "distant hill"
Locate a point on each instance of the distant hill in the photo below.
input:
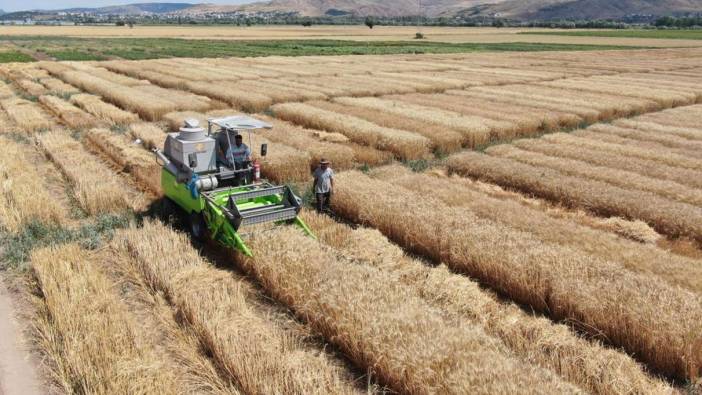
(582, 9)
(135, 9)
(347, 7)
(514, 9)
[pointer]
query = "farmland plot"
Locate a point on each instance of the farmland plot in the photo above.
(616, 313)
(620, 171)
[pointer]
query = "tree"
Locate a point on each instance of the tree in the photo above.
(119, 23)
(370, 22)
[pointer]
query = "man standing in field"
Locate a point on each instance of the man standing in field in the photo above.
(323, 185)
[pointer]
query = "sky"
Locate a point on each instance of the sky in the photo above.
(22, 5)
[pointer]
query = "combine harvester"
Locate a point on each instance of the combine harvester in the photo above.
(218, 198)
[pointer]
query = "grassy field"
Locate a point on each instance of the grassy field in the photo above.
(629, 33)
(71, 48)
(14, 56)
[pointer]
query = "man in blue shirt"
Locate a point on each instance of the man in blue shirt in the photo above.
(239, 153)
(323, 185)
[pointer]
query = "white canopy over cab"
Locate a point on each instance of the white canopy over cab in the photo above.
(237, 122)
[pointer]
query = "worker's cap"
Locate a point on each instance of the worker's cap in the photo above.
(323, 162)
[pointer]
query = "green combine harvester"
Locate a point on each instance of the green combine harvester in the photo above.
(221, 197)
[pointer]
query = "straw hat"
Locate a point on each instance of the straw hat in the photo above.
(323, 162)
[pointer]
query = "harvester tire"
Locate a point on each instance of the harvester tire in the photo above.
(198, 227)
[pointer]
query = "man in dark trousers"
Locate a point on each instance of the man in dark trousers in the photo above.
(323, 185)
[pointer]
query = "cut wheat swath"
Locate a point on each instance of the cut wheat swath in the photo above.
(443, 139)
(89, 337)
(475, 130)
(536, 339)
(69, 114)
(102, 110)
(667, 216)
(28, 116)
(246, 346)
(133, 157)
(147, 105)
(405, 145)
(23, 196)
(636, 312)
(643, 167)
(549, 225)
(623, 179)
(95, 186)
(386, 329)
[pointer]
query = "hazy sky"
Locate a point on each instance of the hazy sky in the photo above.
(21, 5)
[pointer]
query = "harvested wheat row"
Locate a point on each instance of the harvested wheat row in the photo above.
(386, 330)
(528, 118)
(524, 125)
(403, 144)
(667, 129)
(89, 337)
(551, 346)
(132, 157)
(647, 132)
(147, 105)
(476, 130)
(664, 98)
(29, 117)
(623, 179)
(247, 347)
(94, 185)
(31, 88)
(58, 87)
(23, 195)
(72, 116)
(601, 133)
(340, 155)
(644, 167)
(548, 226)
(444, 140)
(539, 103)
(104, 111)
(150, 135)
(669, 217)
(107, 75)
(181, 100)
(226, 92)
(632, 311)
(6, 91)
(666, 158)
(176, 344)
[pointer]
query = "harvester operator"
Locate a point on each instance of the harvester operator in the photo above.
(323, 185)
(239, 154)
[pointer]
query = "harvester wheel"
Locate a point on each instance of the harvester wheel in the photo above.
(198, 227)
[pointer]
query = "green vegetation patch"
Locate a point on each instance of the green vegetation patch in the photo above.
(630, 33)
(74, 48)
(74, 55)
(17, 247)
(14, 56)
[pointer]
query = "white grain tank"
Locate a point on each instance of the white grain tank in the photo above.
(191, 147)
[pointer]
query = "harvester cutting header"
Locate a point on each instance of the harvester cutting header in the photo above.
(220, 189)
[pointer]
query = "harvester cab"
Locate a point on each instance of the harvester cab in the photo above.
(220, 196)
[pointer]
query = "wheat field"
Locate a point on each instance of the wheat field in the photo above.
(501, 223)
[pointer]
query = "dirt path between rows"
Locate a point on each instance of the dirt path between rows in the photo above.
(18, 372)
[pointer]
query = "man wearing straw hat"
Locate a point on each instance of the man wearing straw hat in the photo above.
(323, 185)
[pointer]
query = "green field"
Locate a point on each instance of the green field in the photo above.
(71, 48)
(631, 33)
(14, 56)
